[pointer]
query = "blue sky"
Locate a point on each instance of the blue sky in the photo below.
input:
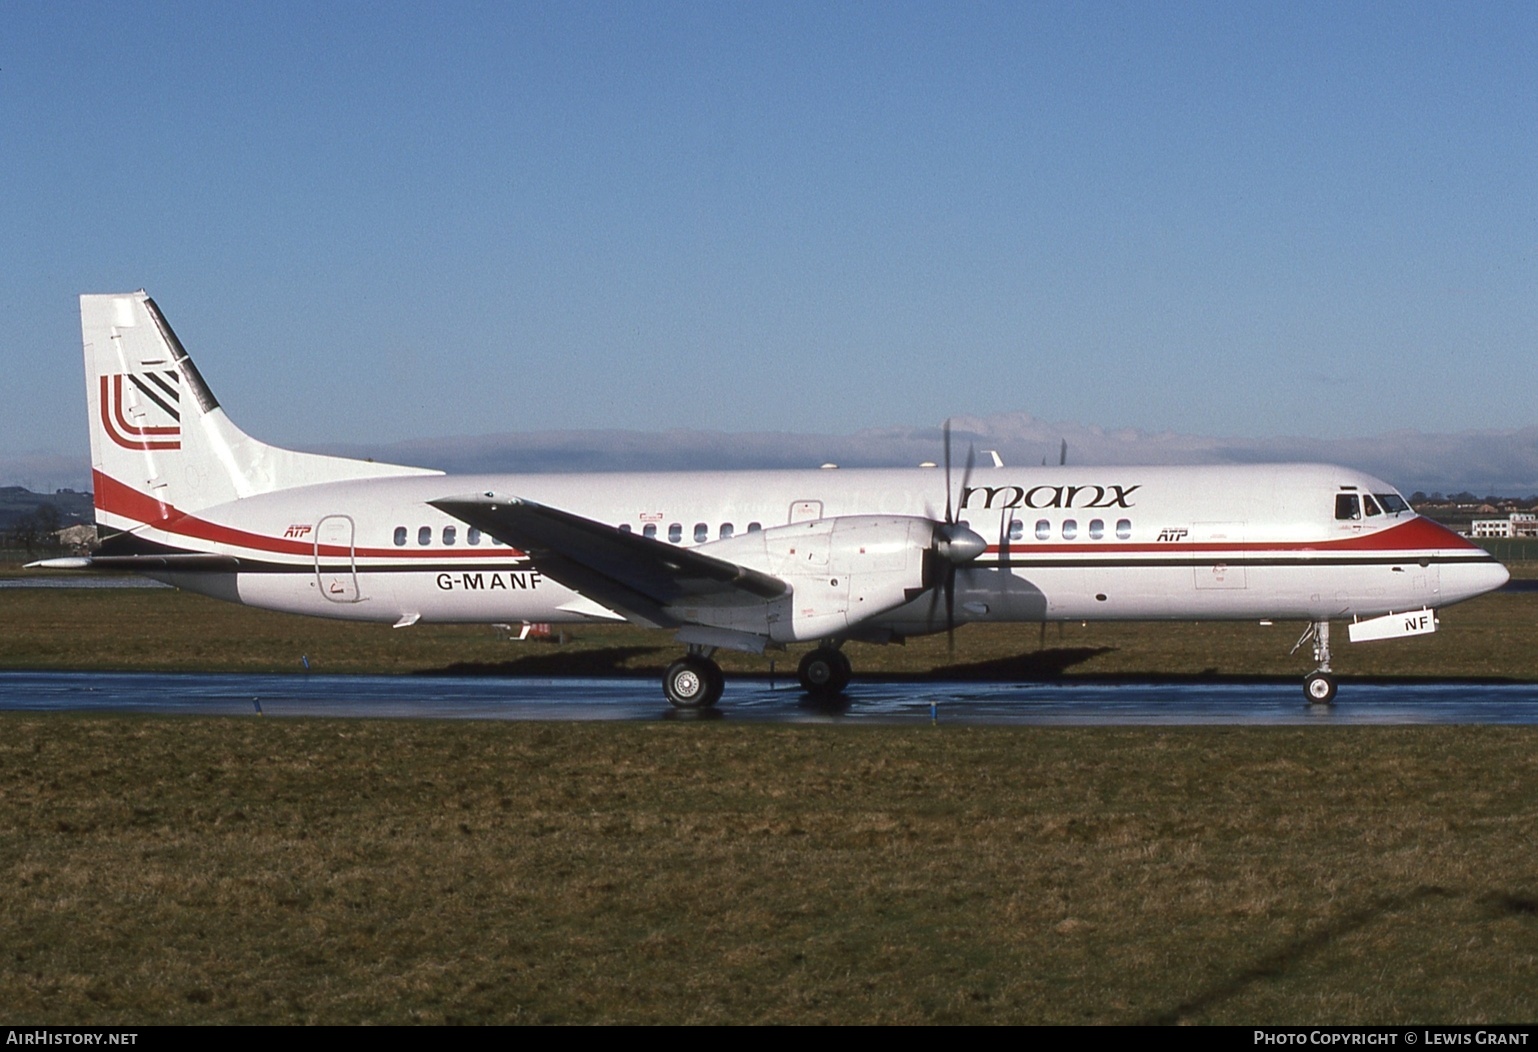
(377, 222)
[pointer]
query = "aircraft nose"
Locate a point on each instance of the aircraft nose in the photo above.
(1465, 582)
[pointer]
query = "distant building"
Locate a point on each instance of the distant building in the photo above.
(1517, 524)
(80, 538)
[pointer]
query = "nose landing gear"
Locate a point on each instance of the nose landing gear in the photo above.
(1320, 685)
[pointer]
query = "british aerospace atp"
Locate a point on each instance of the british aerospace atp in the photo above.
(742, 560)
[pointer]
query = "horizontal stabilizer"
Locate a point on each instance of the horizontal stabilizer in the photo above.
(141, 563)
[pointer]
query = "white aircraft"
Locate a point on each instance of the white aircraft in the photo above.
(748, 560)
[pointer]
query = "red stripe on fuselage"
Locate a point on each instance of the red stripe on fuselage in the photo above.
(1417, 535)
(114, 497)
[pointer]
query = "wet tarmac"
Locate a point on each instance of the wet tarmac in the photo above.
(760, 701)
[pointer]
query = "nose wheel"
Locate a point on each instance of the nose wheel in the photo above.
(693, 682)
(1320, 685)
(1320, 688)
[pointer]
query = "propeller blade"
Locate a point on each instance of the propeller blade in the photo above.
(947, 434)
(950, 609)
(1062, 457)
(942, 569)
(966, 477)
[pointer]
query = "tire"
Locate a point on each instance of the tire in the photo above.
(1319, 688)
(693, 682)
(824, 673)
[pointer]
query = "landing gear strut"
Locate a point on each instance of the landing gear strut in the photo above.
(1319, 686)
(825, 673)
(693, 681)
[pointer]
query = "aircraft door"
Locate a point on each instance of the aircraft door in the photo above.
(1425, 583)
(336, 565)
(1220, 565)
(805, 511)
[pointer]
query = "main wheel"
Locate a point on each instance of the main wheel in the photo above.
(1320, 688)
(693, 682)
(824, 673)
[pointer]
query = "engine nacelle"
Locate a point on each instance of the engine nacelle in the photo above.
(842, 571)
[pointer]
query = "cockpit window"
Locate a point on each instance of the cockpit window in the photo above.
(1371, 505)
(1347, 507)
(1392, 503)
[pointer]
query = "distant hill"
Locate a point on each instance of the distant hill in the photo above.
(17, 502)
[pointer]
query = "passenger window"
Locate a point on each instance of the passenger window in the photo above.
(649, 530)
(425, 536)
(1043, 530)
(754, 527)
(1371, 505)
(400, 536)
(1096, 529)
(1016, 529)
(675, 533)
(449, 536)
(1070, 529)
(701, 533)
(1347, 507)
(1123, 529)
(726, 531)
(472, 536)
(624, 527)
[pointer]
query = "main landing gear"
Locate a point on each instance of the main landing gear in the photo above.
(1320, 685)
(694, 681)
(824, 673)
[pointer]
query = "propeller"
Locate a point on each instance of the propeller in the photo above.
(954, 544)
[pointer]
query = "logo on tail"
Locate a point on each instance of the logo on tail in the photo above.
(142, 410)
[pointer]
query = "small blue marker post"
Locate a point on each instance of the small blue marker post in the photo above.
(306, 659)
(934, 712)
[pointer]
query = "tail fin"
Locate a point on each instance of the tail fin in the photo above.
(160, 445)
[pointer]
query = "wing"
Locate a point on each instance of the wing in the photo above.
(635, 575)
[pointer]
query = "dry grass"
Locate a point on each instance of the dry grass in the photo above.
(248, 870)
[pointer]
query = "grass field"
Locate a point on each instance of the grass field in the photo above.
(260, 870)
(248, 870)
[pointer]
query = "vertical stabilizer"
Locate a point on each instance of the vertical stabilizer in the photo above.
(160, 444)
